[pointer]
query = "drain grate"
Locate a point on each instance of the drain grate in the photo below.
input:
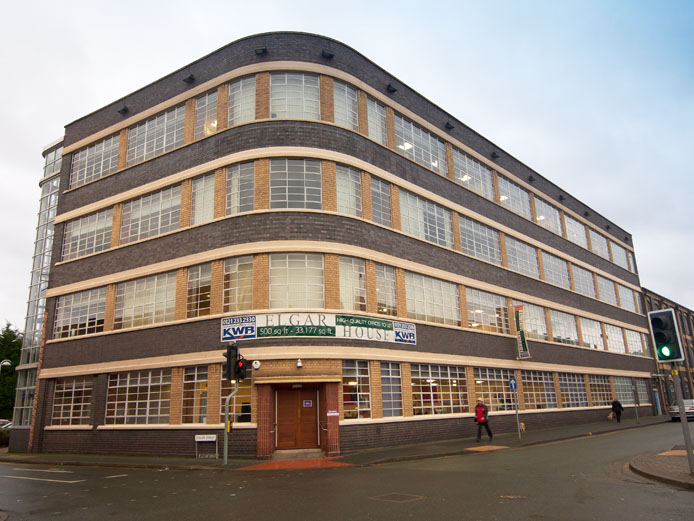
(397, 498)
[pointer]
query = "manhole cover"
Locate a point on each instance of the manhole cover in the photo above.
(397, 498)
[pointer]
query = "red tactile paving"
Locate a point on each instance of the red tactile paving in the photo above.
(318, 463)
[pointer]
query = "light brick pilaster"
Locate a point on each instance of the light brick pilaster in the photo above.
(332, 281)
(329, 186)
(261, 281)
(262, 184)
(327, 96)
(222, 106)
(262, 95)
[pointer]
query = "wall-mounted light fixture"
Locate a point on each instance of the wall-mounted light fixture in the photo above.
(391, 89)
(495, 155)
(189, 79)
(449, 125)
(299, 364)
(561, 197)
(586, 214)
(327, 54)
(261, 50)
(123, 110)
(530, 179)
(607, 226)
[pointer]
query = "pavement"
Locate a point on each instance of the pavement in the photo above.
(670, 467)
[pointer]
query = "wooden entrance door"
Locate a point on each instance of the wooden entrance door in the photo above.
(297, 418)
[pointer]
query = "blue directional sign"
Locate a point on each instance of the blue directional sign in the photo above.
(512, 384)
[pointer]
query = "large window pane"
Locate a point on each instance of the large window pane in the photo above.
(391, 389)
(242, 101)
(345, 103)
(563, 327)
(138, 397)
(432, 299)
(514, 197)
(522, 257)
(151, 300)
(439, 389)
(94, 162)
(151, 215)
(472, 174)
(238, 284)
(573, 390)
(87, 235)
(352, 284)
(538, 390)
(535, 320)
(575, 231)
(426, 220)
(548, 216)
(80, 313)
(492, 386)
(202, 206)
(583, 281)
(386, 294)
(377, 121)
(356, 392)
(487, 311)
(294, 95)
(206, 115)
(556, 270)
(155, 136)
(419, 145)
(480, 241)
(296, 280)
(295, 183)
(239, 188)
(348, 190)
(199, 297)
(380, 202)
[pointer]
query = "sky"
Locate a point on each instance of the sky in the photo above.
(596, 96)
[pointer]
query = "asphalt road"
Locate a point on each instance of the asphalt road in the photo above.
(584, 479)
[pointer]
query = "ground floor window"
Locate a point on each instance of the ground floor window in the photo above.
(138, 397)
(194, 403)
(622, 386)
(391, 389)
(356, 393)
(72, 400)
(600, 389)
(240, 404)
(438, 389)
(573, 390)
(538, 390)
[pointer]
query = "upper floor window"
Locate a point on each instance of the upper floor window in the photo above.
(535, 320)
(345, 103)
(626, 298)
(296, 280)
(619, 255)
(563, 327)
(146, 301)
(80, 313)
(151, 215)
(380, 202)
(432, 299)
(419, 145)
(522, 257)
(479, 241)
(548, 216)
(202, 205)
(87, 235)
(238, 283)
(615, 339)
(599, 244)
(199, 298)
(206, 115)
(472, 174)
(515, 198)
(294, 95)
(583, 281)
(377, 121)
(241, 101)
(386, 294)
(487, 311)
(632, 261)
(157, 135)
(352, 284)
(348, 190)
(556, 270)
(426, 220)
(591, 333)
(240, 188)
(635, 342)
(607, 291)
(53, 162)
(295, 183)
(575, 231)
(95, 161)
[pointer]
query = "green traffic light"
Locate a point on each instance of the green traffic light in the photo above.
(665, 351)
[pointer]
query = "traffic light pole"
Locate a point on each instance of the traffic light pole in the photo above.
(226, 421)
(683, 421)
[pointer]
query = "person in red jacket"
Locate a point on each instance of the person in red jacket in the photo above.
(481, 419)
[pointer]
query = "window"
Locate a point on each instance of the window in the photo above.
(294, 95)
(352, 284)
(599, 244)
(426, 220)
(522, 257)
(632, 261)
(575, 231)
(635, 343)
(242, 101)
(206, 115)
(419, 145)
(619, 255)
(348, 190)
(548, 216)
(514, 198)
(439, 389)
(563, 327)
(583, 281)
(295, 183)
(296, 280)
(480, 241)
(380, 202)
(238, 284)
(87, 235)
(556, 270)
(535, 320)
(386, 294)
(432, 300)
(591, 333)
(642, 391)
(198, 302)
(607, 291)
(538, 390)
(156, 135)
(472, 174)
(600, 390)
(26, 389)
(146, 301)
(573, 390)
(356, 394)
(615, 339)
(626, 298)
(239, 191)
(194, 402)
(202, 206)
(492, 386)
(94, 162)
(80, 313)
(345, 103)
(151, 215)
(391, 389)
(487, 312)
(240, 404)
(138, 397)
(377, 121)
(622, 387)
(72, 399)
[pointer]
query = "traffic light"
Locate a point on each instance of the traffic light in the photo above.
(666, 336)
(241, 369)
(231, 355)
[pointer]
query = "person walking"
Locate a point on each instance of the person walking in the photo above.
(617, 410)
(481, 411)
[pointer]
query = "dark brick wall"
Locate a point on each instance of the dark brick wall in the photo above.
(357, 437)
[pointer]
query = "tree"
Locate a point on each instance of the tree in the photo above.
(10, 346)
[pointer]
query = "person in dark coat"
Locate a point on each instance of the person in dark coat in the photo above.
(481, 411)
(617, 410)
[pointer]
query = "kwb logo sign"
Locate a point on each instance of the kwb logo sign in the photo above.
(238, 328)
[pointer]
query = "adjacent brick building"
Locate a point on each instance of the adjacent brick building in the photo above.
(378, 258)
